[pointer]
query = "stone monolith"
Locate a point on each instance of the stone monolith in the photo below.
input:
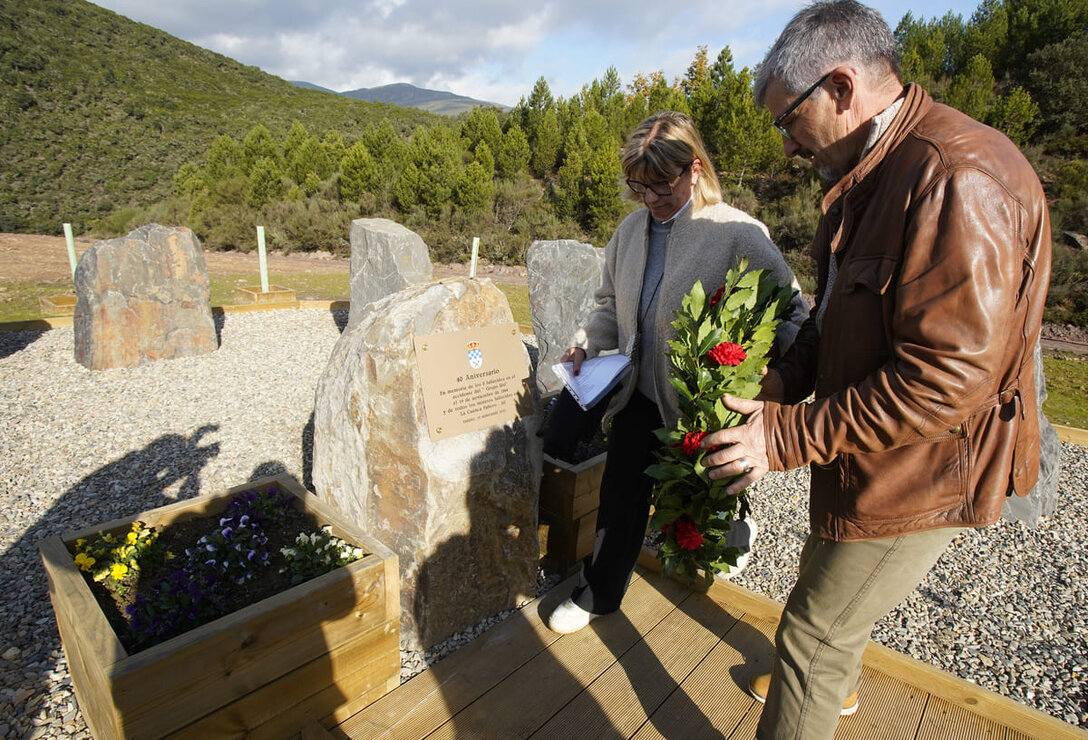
(563, 276)
(142, 297)
(460, 512)
(385, 257)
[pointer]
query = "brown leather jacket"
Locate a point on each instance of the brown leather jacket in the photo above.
(925, 404)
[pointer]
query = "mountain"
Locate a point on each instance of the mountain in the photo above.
(438, 102)
(410, 96)
(98, 112)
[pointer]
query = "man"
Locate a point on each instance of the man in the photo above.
(934, 258)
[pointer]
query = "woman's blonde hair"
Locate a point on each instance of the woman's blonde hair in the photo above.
(664, 143)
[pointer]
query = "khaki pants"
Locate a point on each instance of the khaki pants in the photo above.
(842, 589)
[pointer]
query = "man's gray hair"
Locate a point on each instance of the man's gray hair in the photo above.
(822, 36)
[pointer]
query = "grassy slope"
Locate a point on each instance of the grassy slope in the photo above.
(99, 111)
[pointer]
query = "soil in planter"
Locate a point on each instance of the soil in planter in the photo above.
(176, 538)
(584, 425)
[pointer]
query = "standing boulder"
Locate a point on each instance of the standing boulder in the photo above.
(142, 297)
(385, 257)
(460, 512)
(563, 276)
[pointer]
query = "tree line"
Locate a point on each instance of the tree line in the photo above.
(549, 168)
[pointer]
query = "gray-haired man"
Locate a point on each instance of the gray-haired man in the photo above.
(934, 258)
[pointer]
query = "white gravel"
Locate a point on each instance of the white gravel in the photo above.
(1004, 608)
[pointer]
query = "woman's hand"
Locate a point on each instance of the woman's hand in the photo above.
(574, 355)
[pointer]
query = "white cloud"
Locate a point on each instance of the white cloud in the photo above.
(489, 49)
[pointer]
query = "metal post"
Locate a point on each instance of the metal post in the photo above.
(71, 248)
(475, 254)
(263, 259)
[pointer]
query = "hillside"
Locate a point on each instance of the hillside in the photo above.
(99, 111)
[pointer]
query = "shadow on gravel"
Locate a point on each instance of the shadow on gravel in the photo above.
(129, 485)
(220, 319)
(16, 341)
(340, 316)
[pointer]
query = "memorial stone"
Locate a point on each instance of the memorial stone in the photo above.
(385, 257)
(142, 297)
(460, 512)
(563, 276)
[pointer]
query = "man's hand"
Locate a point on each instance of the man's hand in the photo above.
(744, 449)
(574, 355)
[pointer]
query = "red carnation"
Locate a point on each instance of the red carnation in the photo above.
(728, 353)
(717, 296)
(691, 443)
(687, 536)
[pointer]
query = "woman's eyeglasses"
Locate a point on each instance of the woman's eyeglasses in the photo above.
(661, 189)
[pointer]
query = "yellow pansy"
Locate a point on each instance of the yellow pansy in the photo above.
(118, 571)
(84, 561)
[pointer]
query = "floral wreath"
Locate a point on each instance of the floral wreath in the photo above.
(721, 347)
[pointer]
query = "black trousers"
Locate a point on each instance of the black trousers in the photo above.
(624, 508)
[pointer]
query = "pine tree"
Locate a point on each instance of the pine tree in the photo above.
(513, 153)
(265, 183)
(474, 190)
(224, 162)
(358, 173)
(602, 198)
(486, 158)
(296, 136)
(482, 125)
(568, 192)
(972, 92)
(1014, 114)
(546, 148)
(258, 143)
(334, 147)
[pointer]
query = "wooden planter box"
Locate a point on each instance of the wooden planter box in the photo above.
(57, 305)
(252, 294)
(569, 498)
(318, 651)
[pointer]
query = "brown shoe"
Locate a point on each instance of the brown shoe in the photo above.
(759, 686)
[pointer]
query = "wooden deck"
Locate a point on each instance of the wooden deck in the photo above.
(671, 664)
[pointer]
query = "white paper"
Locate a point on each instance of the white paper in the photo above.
(597, 376)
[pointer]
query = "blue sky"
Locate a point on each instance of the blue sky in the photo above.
(493, 50)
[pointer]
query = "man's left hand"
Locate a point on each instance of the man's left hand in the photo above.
(743, 448)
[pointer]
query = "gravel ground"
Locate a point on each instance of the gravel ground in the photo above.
(1005, 607)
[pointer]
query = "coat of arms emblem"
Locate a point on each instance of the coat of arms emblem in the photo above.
(475, 355)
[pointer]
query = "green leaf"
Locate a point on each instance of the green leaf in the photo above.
(667, 471)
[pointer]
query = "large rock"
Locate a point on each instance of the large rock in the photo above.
(460, 513)
(142, 297)
(563, 276)
(385, 257)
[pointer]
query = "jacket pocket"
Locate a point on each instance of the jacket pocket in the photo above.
(872, 273)
(907, 482)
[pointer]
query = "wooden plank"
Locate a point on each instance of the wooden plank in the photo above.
(1072, 434)
(242, 651)
(89, 641)
(525, 700)
(712, 701)
(632, 688)
(424, 703)
(1018, 717)
(887, 708)
(276, 709)
(946, 721)
(969, 696)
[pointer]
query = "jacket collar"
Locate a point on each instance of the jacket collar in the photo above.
(916, 104)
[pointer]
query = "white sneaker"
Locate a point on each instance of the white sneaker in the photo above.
(742, 535)
(569, 617)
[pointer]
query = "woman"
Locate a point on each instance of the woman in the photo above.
(685, 233)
